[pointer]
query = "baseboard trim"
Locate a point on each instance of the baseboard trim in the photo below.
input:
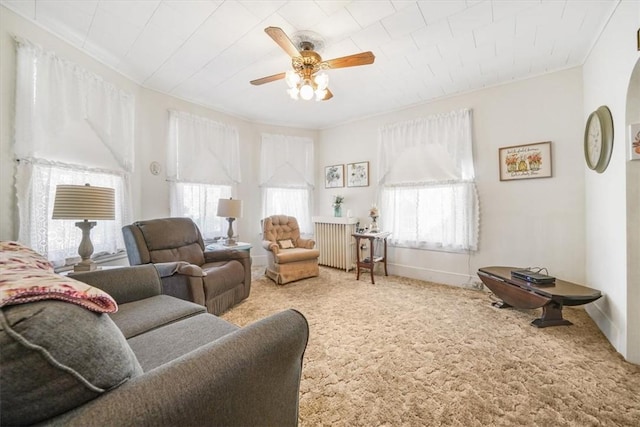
(258, 260)
(437, 276)
(604, 323)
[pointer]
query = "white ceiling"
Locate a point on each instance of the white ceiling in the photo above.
(207, 51)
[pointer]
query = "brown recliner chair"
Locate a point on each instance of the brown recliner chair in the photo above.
(289, 257)
(217, 280)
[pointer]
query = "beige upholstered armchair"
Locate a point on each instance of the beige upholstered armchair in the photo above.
(289, 257)
(217, 280)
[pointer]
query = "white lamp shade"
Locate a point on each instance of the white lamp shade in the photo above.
(84, 202)
(229, 208)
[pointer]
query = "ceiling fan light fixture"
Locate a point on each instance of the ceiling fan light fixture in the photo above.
(322, 81)
(306, 90)
(302, 81)
(292, 78)
(320, 94)
(293, 93)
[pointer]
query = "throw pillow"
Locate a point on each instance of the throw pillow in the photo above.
(285, 244)
(57, 356)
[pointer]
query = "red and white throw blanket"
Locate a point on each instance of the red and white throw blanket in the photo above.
(26, 276)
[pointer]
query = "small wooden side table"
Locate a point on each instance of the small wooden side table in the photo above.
(370, 262)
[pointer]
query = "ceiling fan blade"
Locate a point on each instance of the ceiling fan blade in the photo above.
(328, 96)
(362, 58)
(268, 79)
(283, 40)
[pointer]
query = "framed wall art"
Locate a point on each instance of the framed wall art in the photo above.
(334, 176)
(634, 141)
(358, 174)
(525, 161)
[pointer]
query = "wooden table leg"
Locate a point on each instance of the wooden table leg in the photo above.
(385, 257)
(371, 259)
(357, 258)
(551, 316)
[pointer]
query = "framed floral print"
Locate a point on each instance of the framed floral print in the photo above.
(525, 161)
(358, 174)
(334, 176)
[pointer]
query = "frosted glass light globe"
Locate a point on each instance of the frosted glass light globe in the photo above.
(306, 92)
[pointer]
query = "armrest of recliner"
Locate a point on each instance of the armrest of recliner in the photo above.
(167, 269)
(125, 284)
(183, 280)
(271, 246)
(232, 254)
(248, 377)
(305, 243)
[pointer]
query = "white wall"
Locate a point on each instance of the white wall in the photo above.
(606, 75)
(150, 193)
(537, 222)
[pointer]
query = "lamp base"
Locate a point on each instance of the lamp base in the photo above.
(230, 242)
(86, 247)
(85, 265)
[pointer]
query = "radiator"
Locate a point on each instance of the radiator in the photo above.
(334, 241)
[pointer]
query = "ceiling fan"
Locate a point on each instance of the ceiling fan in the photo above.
(306, 79)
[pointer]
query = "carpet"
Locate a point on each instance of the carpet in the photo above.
(407, 352)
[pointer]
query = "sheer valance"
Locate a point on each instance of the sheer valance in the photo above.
(286, 161)
(201, 150)
(432, 149)
(65, 112)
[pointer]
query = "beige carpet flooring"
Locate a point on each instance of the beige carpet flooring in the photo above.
(406, 352)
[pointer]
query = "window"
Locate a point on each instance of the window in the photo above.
(288, 201)
(71, 127)
(428, 195)
(287, 178)
(200, 203)
(431, 216)
(60, 239)
(202, 166)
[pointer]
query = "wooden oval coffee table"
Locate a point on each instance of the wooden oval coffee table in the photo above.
(519, 293)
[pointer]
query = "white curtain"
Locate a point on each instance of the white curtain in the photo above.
(71, 127)
(428, 197)
(202, 150)
(286, 161)
(203, 166)
(53, 95)
(287, 177)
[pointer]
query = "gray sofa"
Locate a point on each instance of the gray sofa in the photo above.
(157, 361)
(216, 279)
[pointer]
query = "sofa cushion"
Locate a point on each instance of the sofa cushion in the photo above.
(137, 317)
(56, 356)
(165, 344)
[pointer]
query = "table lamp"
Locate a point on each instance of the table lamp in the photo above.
(86, 203)
(230, 209)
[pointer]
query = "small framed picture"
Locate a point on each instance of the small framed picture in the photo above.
(634, 141)
(525, 161)
(334, 176)
(358, 174)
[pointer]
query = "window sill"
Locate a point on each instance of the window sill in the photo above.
(109, 259)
